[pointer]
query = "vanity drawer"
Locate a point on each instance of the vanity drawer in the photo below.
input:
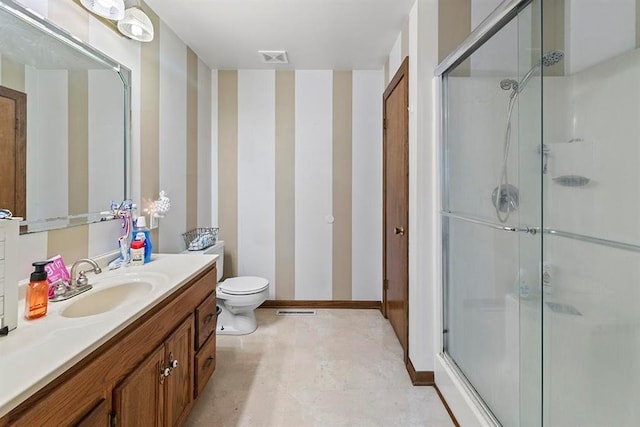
(205, 319)
(205, 364)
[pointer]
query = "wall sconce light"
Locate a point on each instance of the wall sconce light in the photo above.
(132, 22)
(110, 9)
(136, 25)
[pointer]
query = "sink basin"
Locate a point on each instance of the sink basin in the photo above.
(103, 300)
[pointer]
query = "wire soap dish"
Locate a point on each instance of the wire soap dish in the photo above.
(200, 238)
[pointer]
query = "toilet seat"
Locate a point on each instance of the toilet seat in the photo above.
(244, 285)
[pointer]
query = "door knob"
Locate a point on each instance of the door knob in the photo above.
(399, 230)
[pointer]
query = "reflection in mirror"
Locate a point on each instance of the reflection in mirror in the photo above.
(64, 109)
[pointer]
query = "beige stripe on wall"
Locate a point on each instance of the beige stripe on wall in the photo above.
(150, 117)
(72, 243)
(71, 16)
(78, 152)
(454, 25)
(285, 185)
(342, 178)
(13, 75)
(552, 36)
(192, 139)
(228, 168)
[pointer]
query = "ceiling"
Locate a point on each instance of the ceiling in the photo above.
(317, 34)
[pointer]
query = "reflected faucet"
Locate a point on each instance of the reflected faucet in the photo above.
(82, 280)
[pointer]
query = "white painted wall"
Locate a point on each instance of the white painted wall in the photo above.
(214, 148)
(424, 206)
(597, 30)
(48, 132)
(256, 175)
(204, 145)
(173, 134)
(367, 185)
(598, 281)
(313, 178)
(41, 7)
(106, 121)
(395, 56)
(31, 247)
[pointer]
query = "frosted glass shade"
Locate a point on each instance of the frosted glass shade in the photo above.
(110, 9)
(136, 25)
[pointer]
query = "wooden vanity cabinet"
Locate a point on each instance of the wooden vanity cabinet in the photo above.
(205, 359)
(159, 391)
(120, 382)
(139, 399)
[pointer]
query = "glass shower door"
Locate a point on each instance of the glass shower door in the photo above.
(592, 217)
(492, 196)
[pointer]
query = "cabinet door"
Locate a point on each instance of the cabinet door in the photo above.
(179, 385)
(98, 416)
(139, 399)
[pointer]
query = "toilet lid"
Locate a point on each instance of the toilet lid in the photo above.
(244, 285)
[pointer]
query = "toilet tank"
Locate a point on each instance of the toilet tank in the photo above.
(217, 249)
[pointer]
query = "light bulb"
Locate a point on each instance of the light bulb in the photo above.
(136, 30)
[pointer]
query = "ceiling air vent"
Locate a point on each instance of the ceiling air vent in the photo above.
(274, 56)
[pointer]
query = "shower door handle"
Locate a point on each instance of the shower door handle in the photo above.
(399, 230)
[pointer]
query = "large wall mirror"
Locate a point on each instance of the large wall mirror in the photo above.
(64, 124)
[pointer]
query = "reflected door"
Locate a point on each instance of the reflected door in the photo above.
(13, 116)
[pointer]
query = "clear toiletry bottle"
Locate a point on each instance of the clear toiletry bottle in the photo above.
(37, 295)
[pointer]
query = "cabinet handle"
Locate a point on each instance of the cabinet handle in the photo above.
(208, 362)
(173, 363)
(399, 230)
(208, 318)
(164, 373)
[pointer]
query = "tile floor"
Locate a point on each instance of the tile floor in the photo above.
(338, 368)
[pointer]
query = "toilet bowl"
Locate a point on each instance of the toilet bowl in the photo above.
(238, 297)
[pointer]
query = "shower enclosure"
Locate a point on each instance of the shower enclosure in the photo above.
(541, 213)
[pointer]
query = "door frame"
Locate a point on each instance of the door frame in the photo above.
(20, 190)
(402, 75)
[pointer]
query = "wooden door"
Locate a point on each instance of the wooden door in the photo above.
(179, 354)
(139, 399)
(396, 204)
(13, 141)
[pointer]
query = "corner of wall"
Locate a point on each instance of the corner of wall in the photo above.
(423, 194)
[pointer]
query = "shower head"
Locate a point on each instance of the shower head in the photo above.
(548, 59)
(552, 58)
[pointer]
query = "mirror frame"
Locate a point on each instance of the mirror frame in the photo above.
(32, 18)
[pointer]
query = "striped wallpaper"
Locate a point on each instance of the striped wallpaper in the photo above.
(287, 163)
(299, 176)
(170, 133)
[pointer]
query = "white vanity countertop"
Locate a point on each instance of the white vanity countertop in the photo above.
(39, 350)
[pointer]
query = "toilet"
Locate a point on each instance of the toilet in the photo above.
(238, 297)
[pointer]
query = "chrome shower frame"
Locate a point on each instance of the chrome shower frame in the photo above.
(501, 16)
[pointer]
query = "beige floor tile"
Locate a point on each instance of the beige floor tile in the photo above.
(338, 368)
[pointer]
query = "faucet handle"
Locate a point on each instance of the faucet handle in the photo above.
(82, 279)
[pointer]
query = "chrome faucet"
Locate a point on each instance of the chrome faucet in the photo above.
(77, 284)
(82, 280)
